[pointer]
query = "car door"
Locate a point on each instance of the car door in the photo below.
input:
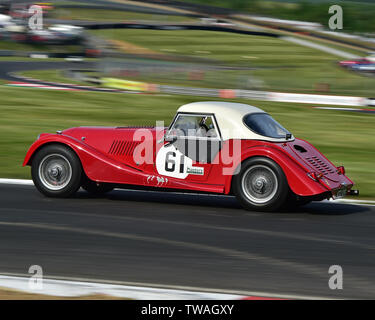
(193, 142)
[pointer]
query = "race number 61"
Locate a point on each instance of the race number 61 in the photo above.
(172, 162)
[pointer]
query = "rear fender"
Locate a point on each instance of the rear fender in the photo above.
(295, 173)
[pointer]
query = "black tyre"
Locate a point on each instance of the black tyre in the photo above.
(95, 188)
(260, 185)
(56, 171)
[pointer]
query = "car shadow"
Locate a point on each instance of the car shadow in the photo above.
(191, 199)
(218, 201)
(327, 208)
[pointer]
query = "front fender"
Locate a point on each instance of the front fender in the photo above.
(295, 172)
(96, 165)
(47, 138)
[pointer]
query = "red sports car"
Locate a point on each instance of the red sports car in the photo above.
(210, 147)
(370, 60)
(349, 63)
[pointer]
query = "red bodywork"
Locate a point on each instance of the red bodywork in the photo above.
(348, 63)
(106, 155)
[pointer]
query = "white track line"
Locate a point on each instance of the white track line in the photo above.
(334, 108)
(17, 181)
(358, 201)
(134, 290)
(64, 288)
(321, 47)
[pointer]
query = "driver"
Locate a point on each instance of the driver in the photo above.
(203, 129)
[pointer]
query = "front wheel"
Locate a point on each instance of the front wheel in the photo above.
(260, 185)
(56, 171)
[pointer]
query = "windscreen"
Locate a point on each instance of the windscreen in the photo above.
(265, 125)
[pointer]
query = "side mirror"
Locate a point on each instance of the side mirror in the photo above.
(170, 139)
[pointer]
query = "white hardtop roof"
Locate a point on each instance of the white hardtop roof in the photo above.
(229, 117)
(220, 108)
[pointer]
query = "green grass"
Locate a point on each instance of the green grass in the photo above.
(114, 15)
(281, 65)
(344, 137)
(332, 40)
(18, 46)
(52, 76)
(10, 45)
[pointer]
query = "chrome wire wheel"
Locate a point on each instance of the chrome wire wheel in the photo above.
(259, 184)
(55, 172)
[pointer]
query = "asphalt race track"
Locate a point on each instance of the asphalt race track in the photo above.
(186, 240)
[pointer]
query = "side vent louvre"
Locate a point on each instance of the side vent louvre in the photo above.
(320, 165)
(122, 147)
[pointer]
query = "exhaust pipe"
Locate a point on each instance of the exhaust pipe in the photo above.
(353, 193)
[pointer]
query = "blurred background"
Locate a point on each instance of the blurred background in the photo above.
(122, 62)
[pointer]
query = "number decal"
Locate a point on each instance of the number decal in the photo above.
(170, 164)
(182, 168)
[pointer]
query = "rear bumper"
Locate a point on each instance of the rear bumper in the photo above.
(344, 191)
(334, 194)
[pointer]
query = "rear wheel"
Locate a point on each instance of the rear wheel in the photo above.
(260, 185)
(56, 171)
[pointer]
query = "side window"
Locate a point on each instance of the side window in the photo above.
(211, 129)
(202, 126)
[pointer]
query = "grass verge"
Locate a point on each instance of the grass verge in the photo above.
(52, 76)
(19, 46)
(95, 14)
